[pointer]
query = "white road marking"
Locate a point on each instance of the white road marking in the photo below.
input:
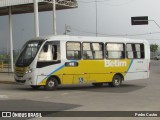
(64, 93)
(47, 97)
(4, 96)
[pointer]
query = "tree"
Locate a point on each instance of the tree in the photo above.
(154, 47)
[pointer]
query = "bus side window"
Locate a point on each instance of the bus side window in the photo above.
(98, 50)
(49, 52)
(73, 50)
(115, 51)
(142, 51)
(93, 50)
(135, 50)
(46, 53)
(54, 52)
(45, 48)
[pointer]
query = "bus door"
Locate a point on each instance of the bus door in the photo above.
(48, 59)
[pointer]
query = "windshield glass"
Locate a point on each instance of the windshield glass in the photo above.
(28, 53)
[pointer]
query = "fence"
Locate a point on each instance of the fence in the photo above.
(1, 65)
(5, 65)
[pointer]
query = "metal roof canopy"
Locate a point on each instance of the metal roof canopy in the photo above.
(26, 6)
(9, 7)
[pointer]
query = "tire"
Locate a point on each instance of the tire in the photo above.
(35, 87)
(51, 84)
(116, 81)
(97, 84)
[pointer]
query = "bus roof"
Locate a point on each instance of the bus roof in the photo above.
(89, 38)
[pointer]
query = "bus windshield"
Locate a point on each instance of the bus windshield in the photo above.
(29, 52)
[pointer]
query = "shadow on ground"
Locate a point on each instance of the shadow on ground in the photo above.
(30, 105)
(125, 88)
(22, 106)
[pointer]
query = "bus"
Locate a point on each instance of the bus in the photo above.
(50, 61)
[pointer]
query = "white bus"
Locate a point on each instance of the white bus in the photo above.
(53, 60)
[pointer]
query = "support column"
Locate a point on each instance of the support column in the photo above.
(36, 18)
(54, 18)
(11, 39)
(96, 19)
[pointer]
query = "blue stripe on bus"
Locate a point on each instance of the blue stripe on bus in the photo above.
(59, 68)
(130, 65)
(56, 70)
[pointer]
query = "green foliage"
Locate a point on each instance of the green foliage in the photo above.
(2, 56)
(154, 47)
(6, 58)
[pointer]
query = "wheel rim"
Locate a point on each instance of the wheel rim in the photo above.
(51, 83)
(117, 81)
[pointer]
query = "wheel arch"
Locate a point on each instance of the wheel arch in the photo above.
(120, 74)
(56, 77)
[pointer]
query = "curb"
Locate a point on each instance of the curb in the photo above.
(7, 72)
(7, 82)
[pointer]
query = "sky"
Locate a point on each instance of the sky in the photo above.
(113, 19)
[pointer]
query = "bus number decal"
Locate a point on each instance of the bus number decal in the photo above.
(71, 64)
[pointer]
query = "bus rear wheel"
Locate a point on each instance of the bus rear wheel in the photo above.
(51, 84)
(97, 84)
(116, 81)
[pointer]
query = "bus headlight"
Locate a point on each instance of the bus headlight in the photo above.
(28, 71)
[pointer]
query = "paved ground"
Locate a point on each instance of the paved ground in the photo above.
(6, 77)
(141, 95)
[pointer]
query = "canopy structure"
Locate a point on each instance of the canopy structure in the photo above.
(10, 7)
(26, 6)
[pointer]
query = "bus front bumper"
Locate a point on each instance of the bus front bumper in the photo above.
(26, 80)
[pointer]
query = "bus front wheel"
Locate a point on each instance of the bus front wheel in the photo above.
(116, 81)
(51, 84)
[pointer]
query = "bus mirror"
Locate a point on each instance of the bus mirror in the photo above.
(45, 48)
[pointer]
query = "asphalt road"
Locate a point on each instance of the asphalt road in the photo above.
(137, 95)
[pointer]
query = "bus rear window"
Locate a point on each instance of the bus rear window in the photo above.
(135, 50)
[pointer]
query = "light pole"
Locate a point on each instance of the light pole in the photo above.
(54, 17)
(11, 39)
(96, 19)
(36, 18)
(67, 29)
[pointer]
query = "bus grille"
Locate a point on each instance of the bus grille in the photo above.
(20, 71)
